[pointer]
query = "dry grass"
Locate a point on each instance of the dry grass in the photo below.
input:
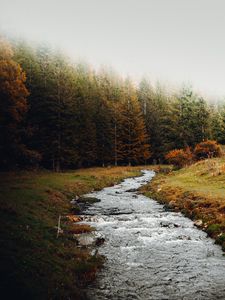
(79, 228)
(198, 191)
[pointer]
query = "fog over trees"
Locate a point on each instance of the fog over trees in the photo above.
(58, 114)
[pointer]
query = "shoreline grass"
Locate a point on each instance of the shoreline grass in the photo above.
(198, 191)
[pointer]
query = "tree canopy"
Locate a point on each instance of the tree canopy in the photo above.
(61, 114)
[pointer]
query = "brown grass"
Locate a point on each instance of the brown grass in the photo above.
(79, 228)
(198, 192)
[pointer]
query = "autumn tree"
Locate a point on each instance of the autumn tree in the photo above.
(13, 106)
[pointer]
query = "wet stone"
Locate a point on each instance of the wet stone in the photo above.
(89, 239)
(88, 200)
(99, 241)
(131, 190)
(168, 224)
(198, 223)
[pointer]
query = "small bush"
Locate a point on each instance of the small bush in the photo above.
(213, 229)
(207, 149)
(179, 157)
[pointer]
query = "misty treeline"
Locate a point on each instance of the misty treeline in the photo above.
(58, 114)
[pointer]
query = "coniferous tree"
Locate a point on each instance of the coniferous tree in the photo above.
(135, 144)
(159, 118)
(76, 117)
(105, 100)
(193, 118)
(86, 130)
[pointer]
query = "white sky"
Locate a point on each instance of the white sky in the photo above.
(170, 40)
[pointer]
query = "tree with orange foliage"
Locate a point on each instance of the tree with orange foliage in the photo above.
(180, 157)
(13, 106)
(207, 149)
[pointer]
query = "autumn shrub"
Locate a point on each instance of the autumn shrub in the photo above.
(179, 157)
(207, 149)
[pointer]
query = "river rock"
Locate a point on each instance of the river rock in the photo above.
(198, 223)
(74, 200)
(166, 224)
(84, 239)
(184, 237)
(131, 190)
(89, 239)
(99, 241)
(169, 224)
(94, 252)
(88, 200)
(171, 204)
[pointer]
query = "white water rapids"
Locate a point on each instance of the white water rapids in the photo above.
(151, 253)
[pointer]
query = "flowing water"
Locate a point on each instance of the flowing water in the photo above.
(151, 253)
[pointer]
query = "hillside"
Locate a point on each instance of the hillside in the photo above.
(35, 264)
(198, 191)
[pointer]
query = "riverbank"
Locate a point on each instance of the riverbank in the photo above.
(35, 263)
(151, 253)
(198, 191)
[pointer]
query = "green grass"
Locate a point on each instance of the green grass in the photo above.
(206, 177)
(34, 263)
(198, 191)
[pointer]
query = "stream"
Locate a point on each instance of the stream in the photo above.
(151, 253)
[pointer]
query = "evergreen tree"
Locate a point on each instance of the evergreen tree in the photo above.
(135, 144)
(86, 131)
(160, 118)
(75, 117)
(193, 118)
(105, 118)
(217, 124)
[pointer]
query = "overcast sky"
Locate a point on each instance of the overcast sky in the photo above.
(170, 40)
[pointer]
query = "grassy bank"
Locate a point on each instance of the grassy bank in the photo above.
(34, 263)
(198, 191)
